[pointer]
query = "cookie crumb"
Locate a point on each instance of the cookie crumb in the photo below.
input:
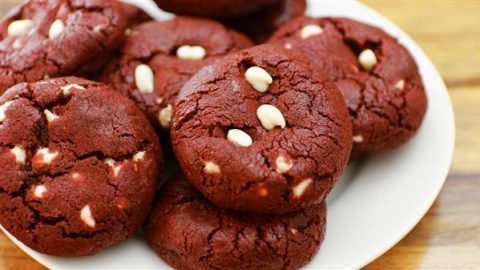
(144, 78)
(310, 30)
(299, 189)
(87, 217)
(211, 167)
(19, 153)
(270, 117)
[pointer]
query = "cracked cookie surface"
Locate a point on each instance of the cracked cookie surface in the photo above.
(80, 165)
(377, 76)
(49, 38)
(189, 232)
(151, 70)
(262, 130)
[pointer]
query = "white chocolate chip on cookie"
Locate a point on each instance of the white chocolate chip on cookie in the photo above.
(87, 217)
(211, 167)
(50, 116)
(165, 116)
(68, 88)
(144, 78)
(283, 164)
(3, 108)
(239, 137)
(367, 59)
(44, 156)
(310, 30)
(56, 29)
(400, 84)
(116, 168)
(358, 138)
(139, 156)
(20, 154)
(187, 52)
(270, 117)
(19, 27)
(258, 78)
(39, 191)
(299, 189)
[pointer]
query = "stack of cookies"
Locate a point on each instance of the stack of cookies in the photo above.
(260, 134)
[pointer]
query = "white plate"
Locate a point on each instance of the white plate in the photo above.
(377, 202)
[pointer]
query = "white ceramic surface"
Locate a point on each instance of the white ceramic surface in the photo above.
(377, 202)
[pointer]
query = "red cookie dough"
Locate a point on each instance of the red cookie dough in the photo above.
(213, 8)
(152, 70)
(41, 39)
(80, 165)
(261, 24)
(189, 232)
(383, 91)
(273, 151)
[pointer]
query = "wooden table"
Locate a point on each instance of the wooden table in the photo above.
(448, 237)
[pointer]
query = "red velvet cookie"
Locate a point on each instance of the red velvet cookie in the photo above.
(189, 232)
(41, 39)
(377, 76)
(152, 70)
(262, 130)
(261, 24)
(80, 165)
(213, 8)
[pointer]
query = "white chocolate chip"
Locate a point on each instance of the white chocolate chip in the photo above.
(159, 100)
(258, 78)
(87, 217)
(128, 31)
(20, 154)
(270, 117)
(75, 176)
(98, 28)
(144, 78)
(139, 156)
(3, 109)
(367, 59)
(165, 116)
(50, 116)
(294, 231)
(187, 52)
(283, 165)
(211, 167)
(358, 138)
(16, 44)
(47, 156)
(19, 27)
(39, 191)
(239, 137)
(310, 30)
(116, 168)
(299, 189)
(67, 88)
(288, 46)
(400, 84)
(56, 29)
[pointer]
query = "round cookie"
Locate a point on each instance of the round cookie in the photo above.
(377, 76)
(80, 166)
(213, 8)
(41, 39)
(189, 232)
(151, 70)
(262, 130)
(261, 24)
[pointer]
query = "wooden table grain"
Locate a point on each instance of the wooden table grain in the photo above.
(448, 237)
